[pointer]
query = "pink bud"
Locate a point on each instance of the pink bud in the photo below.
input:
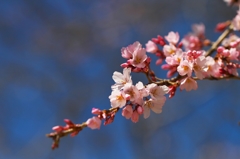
(96, 111)
(172, 90)
(166, 66)
(180, 45)
(94, 123)
(74, 133)
(159, 61)
(221, 27)
(54, 145)
(155, 40)
(160, 38)
(68, 122)
(162, 43)
(124, 65)
(58, 128)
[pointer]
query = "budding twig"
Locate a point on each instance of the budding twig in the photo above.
(73, 129)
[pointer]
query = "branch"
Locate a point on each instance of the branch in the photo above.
(73, 129)
(219, 40)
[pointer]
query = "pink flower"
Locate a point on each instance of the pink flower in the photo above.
(121, 79)
(184, 68)
(155, 105)
(151, 47)
(141, 88)
(211, 67)
(172, 37)
(192, 42)
(127, 112)
(188, 83)
(131, 92)
(158, 62)
(139, 57)
(128, 51)
(199, 66)
(94, 123)
(233, 54)
(175, 59)
(155, 91)
(169, 50)
(117, 99)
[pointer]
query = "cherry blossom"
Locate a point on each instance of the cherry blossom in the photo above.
(128, 51)
(142, 91)
(199, 66)
(188, 84)
(121, 79)
(233, 54)
(155, 105)
(96, 111)
(185, 68)
(94, 123)
(131, 91)
(139, 57)
(175, 59)
(172, 37)
(211, 67)
(156, 91)
(169, 49)
(151, 47)
(192, 42)
(117, 99)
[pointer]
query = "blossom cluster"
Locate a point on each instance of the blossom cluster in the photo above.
(186, 58)
(137, 99)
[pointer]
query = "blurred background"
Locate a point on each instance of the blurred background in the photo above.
(57, 59)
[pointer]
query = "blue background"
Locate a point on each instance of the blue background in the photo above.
(57, 59)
